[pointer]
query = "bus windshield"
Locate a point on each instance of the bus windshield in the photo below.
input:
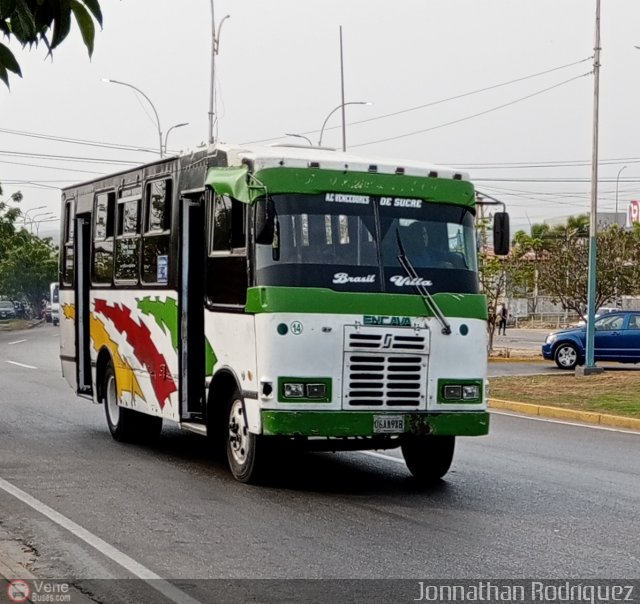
(351, 242)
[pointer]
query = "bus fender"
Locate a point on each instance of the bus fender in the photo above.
(221, 388)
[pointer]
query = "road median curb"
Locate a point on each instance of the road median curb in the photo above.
(10, 567)
(588, 417)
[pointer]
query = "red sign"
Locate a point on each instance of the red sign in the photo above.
(634, 212)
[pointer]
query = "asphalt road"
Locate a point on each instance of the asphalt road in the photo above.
(533, 499)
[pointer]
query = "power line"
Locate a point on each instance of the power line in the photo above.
(16, 163)
(74, 158)
(438, 102)
(78, 141)
(468, 117)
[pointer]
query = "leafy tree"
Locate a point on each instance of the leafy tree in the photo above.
(564, 271)
(27, 264)
(45, 21)
(28, 268)
(493, 279)
(8, 217)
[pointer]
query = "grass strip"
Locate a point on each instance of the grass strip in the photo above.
(613, 392)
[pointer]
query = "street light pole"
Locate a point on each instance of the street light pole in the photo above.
(166, 136)
(37, 223)
(215, 47)
(150, 103)
(589, 367)
(340, 106)
(26, 214)
(344, 125)
(617, 183)
(300, 136)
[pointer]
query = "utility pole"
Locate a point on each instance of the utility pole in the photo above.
(589, 367)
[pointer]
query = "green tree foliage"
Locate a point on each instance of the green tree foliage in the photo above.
(564, 272)
(8, 217)
(28, 268)
(28, 264)
(44, 21)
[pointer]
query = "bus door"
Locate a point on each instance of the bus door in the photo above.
(82, 255)
(191, 283)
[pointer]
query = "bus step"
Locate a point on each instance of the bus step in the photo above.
(192, 427)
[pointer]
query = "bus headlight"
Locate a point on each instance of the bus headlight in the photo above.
(304, 389)
(470, 391)
(293, 390)
(452, 392)
(464, 391)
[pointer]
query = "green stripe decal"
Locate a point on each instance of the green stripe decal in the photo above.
(326, 301)
(360, 423)
(235, 182)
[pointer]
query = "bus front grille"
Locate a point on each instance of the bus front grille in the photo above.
(385, 367)
(385, 380)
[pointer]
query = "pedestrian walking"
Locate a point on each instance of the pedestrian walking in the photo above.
(502, 323)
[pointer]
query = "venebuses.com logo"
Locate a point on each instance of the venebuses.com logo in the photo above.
(19, 590)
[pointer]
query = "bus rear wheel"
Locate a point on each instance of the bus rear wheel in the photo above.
(428, 457)
(126, 425)
(245, 451)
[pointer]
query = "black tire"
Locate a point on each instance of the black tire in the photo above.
(428, 457)
(566, 356)
(246, 452)
(126, 425)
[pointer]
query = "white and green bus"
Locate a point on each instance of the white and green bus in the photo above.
(279, 297)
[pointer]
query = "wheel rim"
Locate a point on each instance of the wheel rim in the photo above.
(238, 433)
(567, 356)
(112, 401)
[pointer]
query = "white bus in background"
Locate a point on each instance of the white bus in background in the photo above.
(54, 300)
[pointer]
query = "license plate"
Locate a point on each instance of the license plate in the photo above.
(388, 424)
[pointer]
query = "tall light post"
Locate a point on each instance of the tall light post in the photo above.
(215, 47)
(589, 366)
(42, 216)
(150, 103)
(340, 106)
(617, 184)
(166, 136)
(300, 136)
(25, 216)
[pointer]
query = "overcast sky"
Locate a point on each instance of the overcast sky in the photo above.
(420, 62)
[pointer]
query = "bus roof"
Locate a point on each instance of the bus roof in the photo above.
(296, 156)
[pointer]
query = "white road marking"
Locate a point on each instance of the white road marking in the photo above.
(566, 423)
(16, 342)
(21, 364)
(168, 590)
(383, 456)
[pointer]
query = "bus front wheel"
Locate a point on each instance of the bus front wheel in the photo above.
(428, 457)
(126, 425)
(245, 450)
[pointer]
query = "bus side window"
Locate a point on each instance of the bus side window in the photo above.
(68, 262)
(227, 278)
(103, 222)
(127, 240)
(156, 238)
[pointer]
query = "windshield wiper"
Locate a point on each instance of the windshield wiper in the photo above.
(428, 299)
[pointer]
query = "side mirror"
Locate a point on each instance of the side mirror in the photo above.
(265, 215)
(268, 226)
(501, 236)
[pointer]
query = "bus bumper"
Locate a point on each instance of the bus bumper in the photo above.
(371, 423)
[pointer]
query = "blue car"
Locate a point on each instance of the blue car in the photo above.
(617, 338)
